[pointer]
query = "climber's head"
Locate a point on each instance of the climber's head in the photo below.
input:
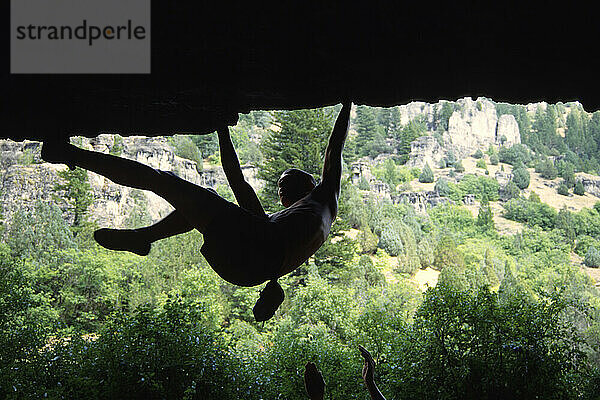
(293, 185)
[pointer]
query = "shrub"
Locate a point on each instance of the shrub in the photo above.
(547, 170)
(458, 167)
(534, 198)
(441, 186)
(518, 153)
(363, 184)
(592, 257)
(511, 191)
(367, 241)
(478, 154)
(481, 164)
(426, 175)
(494, 159)
(480, 186)
(584, 242)
(521, 177)
(450, 158)
(563, 189)
(472, 344)
(533, 214)
(390, 241)
(579, 190)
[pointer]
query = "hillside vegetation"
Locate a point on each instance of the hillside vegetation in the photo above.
(469, 283)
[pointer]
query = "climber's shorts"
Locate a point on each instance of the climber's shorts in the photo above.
(242, 248)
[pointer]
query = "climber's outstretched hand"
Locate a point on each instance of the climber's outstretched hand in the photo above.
(368, 371)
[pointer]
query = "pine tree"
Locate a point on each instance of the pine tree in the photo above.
(443, 117)
(485, 217)
(395, 122)
(299, 142)
(568, 175)
(579, 189)
(426, 175)
(366, 129)
(494, 159)
(77, 193)
(409, 133)
(458, 167)
(592, 258)
(442, 187)
(384, 119)
(521, 177)
(575, 133)
(563, 189)
(547, 169)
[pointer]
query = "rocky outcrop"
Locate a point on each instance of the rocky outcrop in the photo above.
(412, 110)
(359, 170)
(473, 125)
(507, 131)
(426, 150)
(421, 201)
(502, 177)
(591, 183)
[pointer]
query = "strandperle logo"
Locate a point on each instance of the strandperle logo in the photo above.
(84, 31)
(80, 36)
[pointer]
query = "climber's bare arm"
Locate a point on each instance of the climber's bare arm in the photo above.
(332, 167)
(243, 192)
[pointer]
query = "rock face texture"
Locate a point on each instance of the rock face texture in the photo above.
(421, 201)
(474, 125)
(591, 183)
(426, 150)
(26, 179)
(507, 132)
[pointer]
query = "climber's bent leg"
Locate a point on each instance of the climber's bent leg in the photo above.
(138, 240)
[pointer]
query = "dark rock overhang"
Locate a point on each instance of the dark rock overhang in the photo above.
(210, 62)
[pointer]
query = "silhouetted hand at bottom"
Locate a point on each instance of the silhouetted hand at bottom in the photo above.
(368, 374)
(313, 382)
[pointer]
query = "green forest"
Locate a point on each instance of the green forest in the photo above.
(511, 316)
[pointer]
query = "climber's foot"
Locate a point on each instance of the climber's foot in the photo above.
(56, 152)
(122, 239)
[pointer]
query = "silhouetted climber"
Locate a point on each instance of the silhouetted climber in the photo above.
(243, 244)
(315, 385)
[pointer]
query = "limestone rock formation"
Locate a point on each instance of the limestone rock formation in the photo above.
(426, 150)
(421, 201)
(591, 183)
(507, 132)
(474, 125)
(502, 177)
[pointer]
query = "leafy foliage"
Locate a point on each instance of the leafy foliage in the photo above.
(510, 316)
